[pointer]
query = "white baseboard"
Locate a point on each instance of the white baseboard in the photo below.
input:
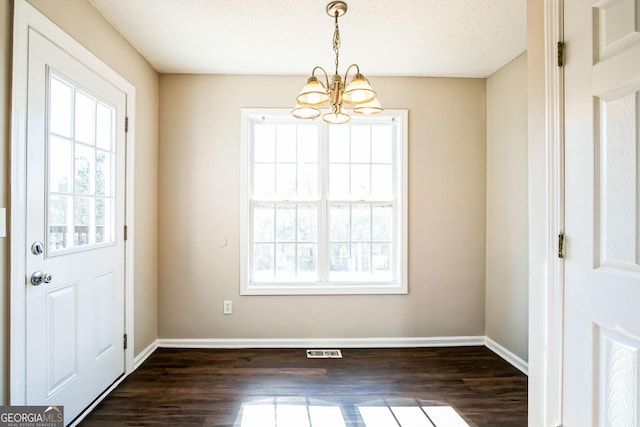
(144, 355)
(322, 342)
(514, 360)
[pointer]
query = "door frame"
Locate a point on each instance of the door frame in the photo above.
(546, 223)
(27, 17)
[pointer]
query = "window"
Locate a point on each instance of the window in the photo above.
(323, 206)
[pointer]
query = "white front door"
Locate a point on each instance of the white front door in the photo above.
(75, 219)
(601, 378)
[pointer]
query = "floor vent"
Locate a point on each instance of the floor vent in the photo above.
(324, 354)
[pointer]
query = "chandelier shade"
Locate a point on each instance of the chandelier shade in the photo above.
(305, 112)
(336, 116)
(313, 93)
(371, 107)
(358, 92)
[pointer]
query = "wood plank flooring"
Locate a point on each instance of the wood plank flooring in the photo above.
(206, 387)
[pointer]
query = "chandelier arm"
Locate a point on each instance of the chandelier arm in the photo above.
(326, 76)
(346, 73)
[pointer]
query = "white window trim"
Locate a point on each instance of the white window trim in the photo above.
(293, 288)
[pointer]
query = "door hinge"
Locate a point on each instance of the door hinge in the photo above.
(561, 245)
(126, 124)
(560, 54)
(126, 232)
(125, 341)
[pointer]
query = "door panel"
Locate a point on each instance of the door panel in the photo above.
(75, 204)
(62, 336)
(601, 383)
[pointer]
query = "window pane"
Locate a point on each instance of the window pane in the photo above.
(360, 223)
(264, 181)
(104, 126)
(360, 144)
(381, 260)
(263, 262)
(381, 144)
(339, 182)
(381, 182)
(285, 261)
(340, 255)
(339, 144)
(60, 165)
(104, 173)
(360, 181)
(264, 146)
(263, 223)
(61, 111)
(85, 165)
(382, 224)
(286, 180)
(286, 224)
(339, 223)
(307, 224)
(59, 208)
(307, 144)
(360, 258)
(286, 143)
(308, 181)
(85, 116)
(307, 261)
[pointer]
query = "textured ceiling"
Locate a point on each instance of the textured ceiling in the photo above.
(459, 38)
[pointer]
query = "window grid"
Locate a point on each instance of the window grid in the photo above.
(77, 231)
(374, 264)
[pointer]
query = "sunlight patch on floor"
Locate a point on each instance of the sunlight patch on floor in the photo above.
(302, 412)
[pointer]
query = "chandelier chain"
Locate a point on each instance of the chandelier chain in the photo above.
(336, 41)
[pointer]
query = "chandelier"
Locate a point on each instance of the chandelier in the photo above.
(315, 94)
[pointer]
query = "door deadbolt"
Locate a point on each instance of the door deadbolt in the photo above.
(37, 248)
(39, 277)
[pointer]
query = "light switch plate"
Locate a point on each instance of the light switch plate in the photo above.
(3, 222)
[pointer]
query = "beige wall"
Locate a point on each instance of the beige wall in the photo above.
(199, 206)
(79, 19)
(5, 120)
(507, 272)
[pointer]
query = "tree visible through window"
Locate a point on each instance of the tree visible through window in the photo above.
(324, 207)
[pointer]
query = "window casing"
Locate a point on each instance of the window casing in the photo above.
(323, 207)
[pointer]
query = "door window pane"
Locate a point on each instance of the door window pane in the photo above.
(85, 118)
(104, 127)
(85, 168)
(59, 219)
(60, 165)
(60, 108)
(104, 173)
(81, 220)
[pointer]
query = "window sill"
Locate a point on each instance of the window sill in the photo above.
(332, 289)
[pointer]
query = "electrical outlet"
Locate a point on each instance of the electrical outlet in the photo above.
(227, 307)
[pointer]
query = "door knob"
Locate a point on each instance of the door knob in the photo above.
(39, 277)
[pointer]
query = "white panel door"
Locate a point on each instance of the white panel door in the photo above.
(75, 217)
(602, 294)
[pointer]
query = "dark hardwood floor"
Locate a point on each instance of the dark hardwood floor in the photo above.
(205, 387)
